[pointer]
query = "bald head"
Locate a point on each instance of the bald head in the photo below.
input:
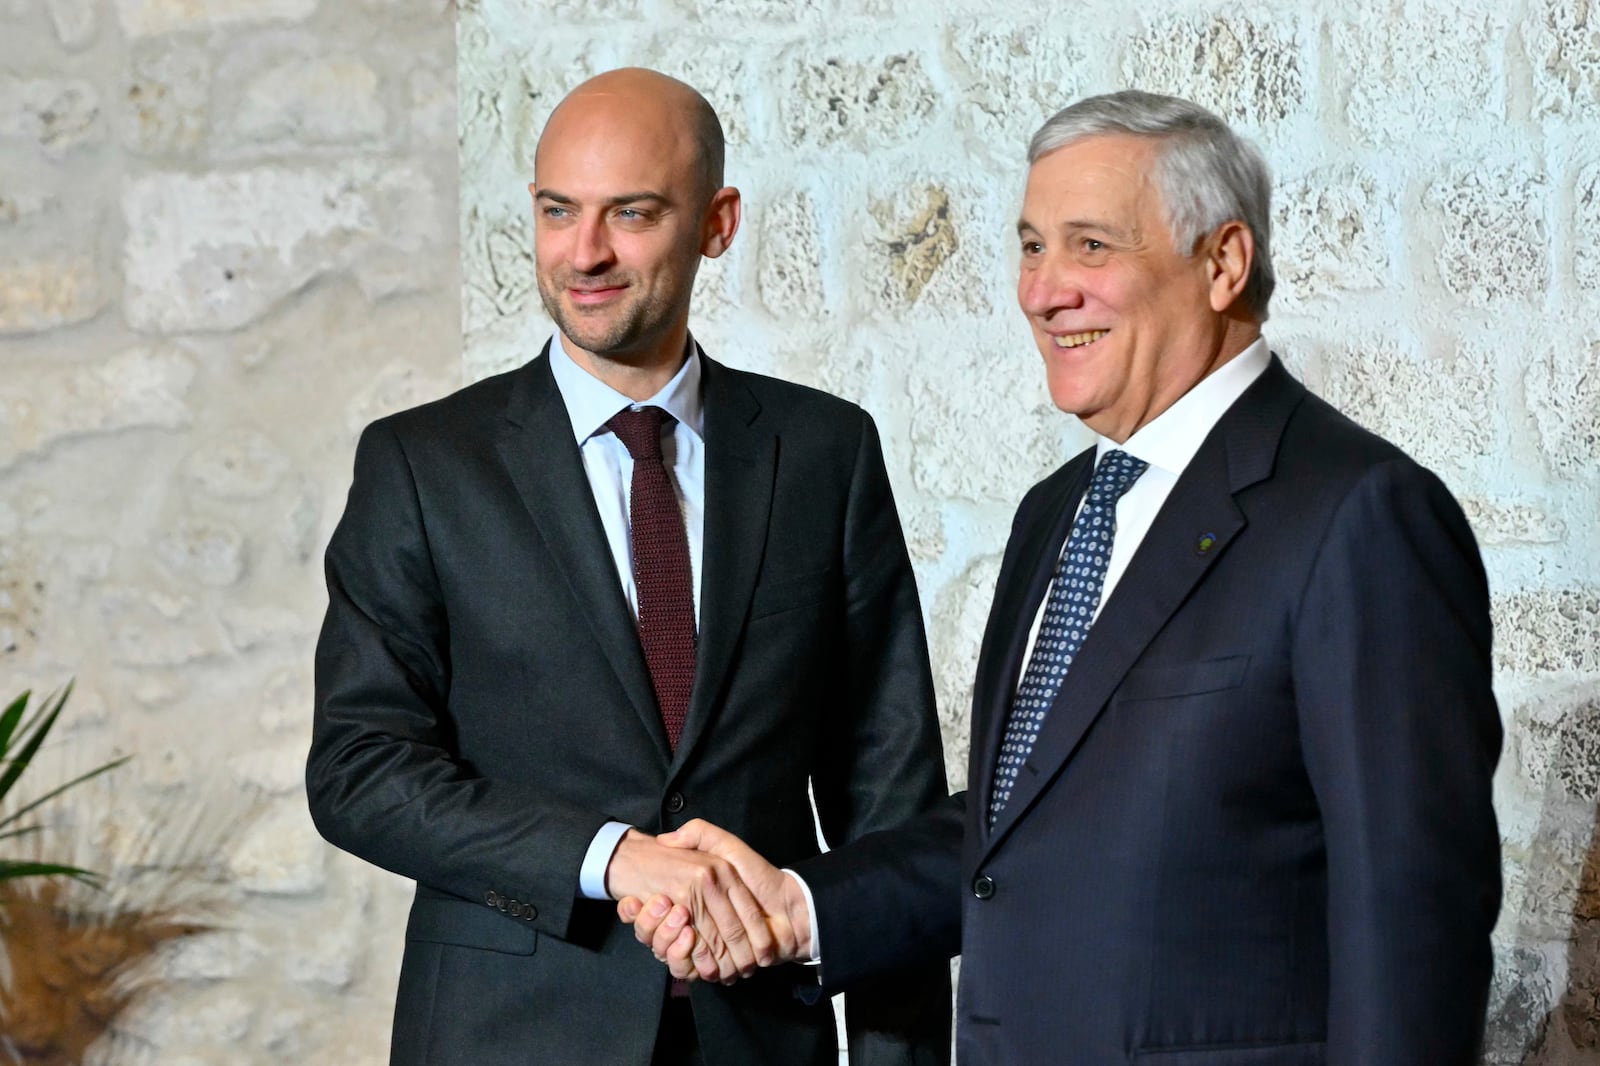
(664, 109)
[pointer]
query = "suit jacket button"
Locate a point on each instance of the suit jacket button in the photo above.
(492, 898)
(516, 908)
(529, 912)
(983, 886)
(675, 803)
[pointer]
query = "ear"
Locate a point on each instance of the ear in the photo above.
(1229, 252)
(722, 222)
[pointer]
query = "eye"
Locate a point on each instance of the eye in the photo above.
(1092, 245)
(1032, 247)
(554, 211)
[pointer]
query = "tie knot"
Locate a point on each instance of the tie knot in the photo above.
(1115, 475)
(640, 431)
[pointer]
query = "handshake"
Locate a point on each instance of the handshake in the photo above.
(706, 904)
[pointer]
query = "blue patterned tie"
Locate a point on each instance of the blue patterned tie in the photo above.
(1074, 595)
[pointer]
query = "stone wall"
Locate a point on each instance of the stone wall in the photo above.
(227, 240)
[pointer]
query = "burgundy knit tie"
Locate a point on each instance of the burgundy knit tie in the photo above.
(661, 568)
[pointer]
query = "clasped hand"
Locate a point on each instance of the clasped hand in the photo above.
(706, 904)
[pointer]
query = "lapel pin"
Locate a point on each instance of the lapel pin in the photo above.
(1205, 543)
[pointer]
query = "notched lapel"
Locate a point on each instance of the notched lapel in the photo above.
(741, 465)
(543, 461)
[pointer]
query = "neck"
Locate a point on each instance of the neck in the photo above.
(638, 375)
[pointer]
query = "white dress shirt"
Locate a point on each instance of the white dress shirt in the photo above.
(590, 404)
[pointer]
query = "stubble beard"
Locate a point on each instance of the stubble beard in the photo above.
(611, 331)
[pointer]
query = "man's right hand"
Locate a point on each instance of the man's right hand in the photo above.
(668, 925)
(732, 937)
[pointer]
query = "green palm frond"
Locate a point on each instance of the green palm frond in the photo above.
(21, 736)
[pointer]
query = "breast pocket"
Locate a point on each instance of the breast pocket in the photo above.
(1165, 681)
(791, 592)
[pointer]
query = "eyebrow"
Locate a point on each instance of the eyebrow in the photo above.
(1025, 227)
(614, 201)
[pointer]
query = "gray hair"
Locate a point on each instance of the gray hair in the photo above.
(1207, 174)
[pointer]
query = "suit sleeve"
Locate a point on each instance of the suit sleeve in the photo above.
(381, 778)
(1400, 731)
(884, 761)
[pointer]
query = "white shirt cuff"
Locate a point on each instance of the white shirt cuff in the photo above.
(592, 874)
(811, 916)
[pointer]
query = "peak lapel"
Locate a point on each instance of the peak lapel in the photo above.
(544, 463)
(741, 461)
(1167, 566)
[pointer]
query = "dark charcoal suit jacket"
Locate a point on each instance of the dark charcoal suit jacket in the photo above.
(483, 707)
(1256, 829)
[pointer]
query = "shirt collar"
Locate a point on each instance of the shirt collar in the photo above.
(1170, 440)
(591, 402)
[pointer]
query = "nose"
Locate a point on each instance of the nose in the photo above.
(1048, 286)
(592, 252)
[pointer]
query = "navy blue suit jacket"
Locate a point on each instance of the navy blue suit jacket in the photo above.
(1256, 828)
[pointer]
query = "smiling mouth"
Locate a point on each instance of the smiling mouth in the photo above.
(1078, 340)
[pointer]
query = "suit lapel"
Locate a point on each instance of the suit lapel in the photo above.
(1019, 590)
(1167, 566)
(544, 463)
(741, 462)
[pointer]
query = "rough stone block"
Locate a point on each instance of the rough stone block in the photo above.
(25, 196)
(165, 106)
(142, 388)
(858, 102)
(1563, 42)
(1548, 631)
(930, 246)
(1492, 242)
(43, 294)
(276, 771)
(1558, 747)
(789, 275)
(1585, 229)
(58, 113)
(243, 464)
(1435, 72)
(1519, 1000)
(218, 250)
(955, 631)
(281, 856)
(75, 22)
(1432, 408)
(720, 69)
(781, 11)
(1504, 521)
(312, 100)
(209, 552)
(222, 955)
(145, 628)
(147, 18)
(980, 390)
(1012, 79)
(1330, 234)
(500, 279)
(251, 627)
(395, 387)
(1252, 73)
(1563, 395)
